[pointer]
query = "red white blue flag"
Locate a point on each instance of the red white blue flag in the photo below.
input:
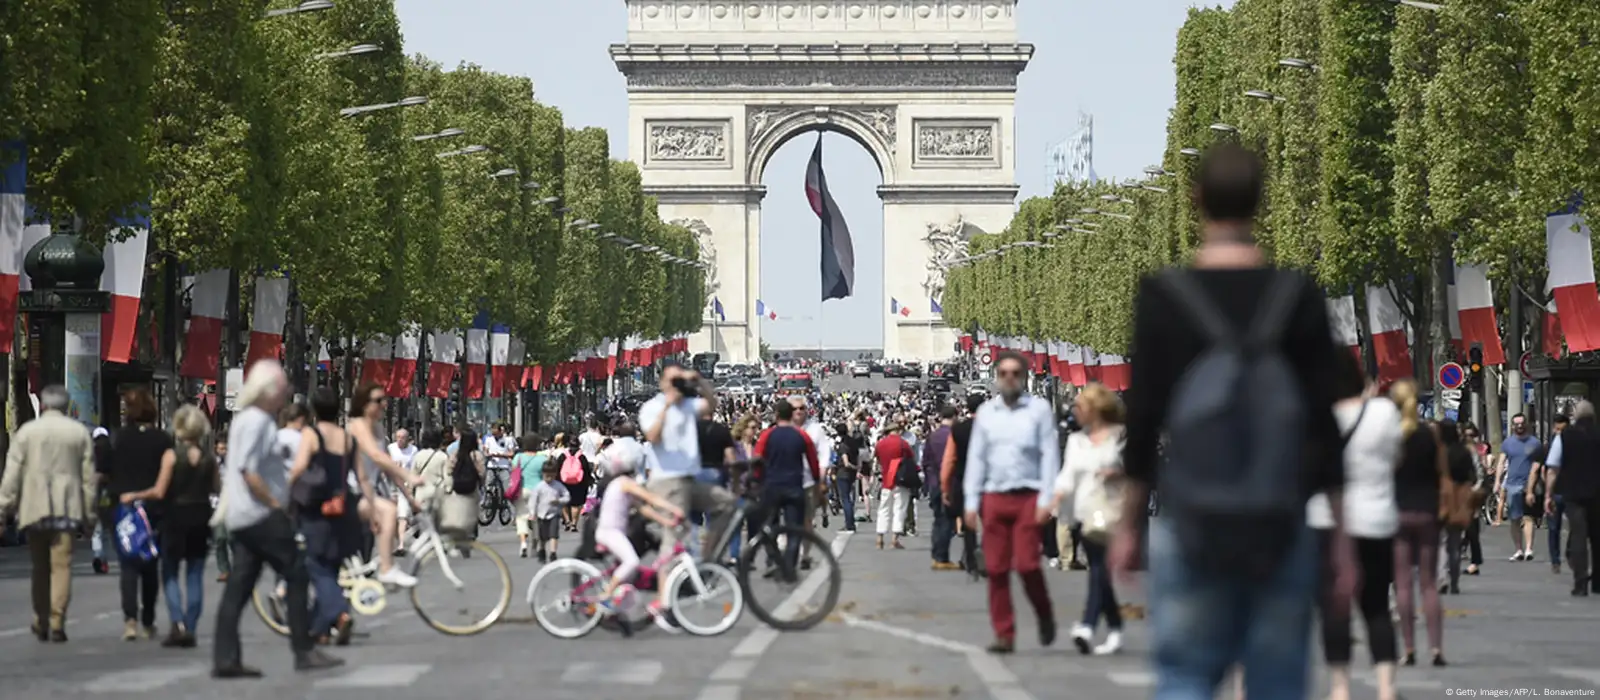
(838, 254)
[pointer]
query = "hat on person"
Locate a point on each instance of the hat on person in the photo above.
(100, 432)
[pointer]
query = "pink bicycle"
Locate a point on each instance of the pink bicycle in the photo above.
(705, 598)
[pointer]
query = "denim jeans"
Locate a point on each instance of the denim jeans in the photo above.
(184, 603)
(944, 525)
(1205, 622)
(790, 505)
(1102, 597)
(845, 487)
(330, 603)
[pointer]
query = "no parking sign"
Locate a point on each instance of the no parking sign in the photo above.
(986, 358)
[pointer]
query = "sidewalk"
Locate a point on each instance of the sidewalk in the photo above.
(1512, 627)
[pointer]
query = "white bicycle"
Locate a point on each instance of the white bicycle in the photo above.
(566, 596)
(431, 553)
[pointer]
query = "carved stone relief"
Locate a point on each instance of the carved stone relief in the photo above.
(708, 250)
(946, 243)
(956, 141)
(843, 75)
(760, 121)
(688, 142)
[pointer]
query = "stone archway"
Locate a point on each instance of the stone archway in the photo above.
(928, 87)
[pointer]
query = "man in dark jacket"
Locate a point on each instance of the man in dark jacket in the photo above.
(933, 450)
(951, 473)
(1572, 473)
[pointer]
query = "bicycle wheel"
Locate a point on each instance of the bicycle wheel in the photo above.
(717, 592)
(507, 510)
(268, 600)
(782, 595)
(562, 596)
(486, 509)
(480, 611)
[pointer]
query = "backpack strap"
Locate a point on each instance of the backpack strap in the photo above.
(1283, 294)
(1190, 295)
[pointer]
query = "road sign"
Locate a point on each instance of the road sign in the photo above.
(1523, 363)
(1452, 376)
(986, 358)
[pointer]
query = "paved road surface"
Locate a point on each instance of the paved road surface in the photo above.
(901, 631)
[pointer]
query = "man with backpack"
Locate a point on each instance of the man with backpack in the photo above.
(1231, 360)
(897, 465)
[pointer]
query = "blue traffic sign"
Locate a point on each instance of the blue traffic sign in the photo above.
(1452, 375)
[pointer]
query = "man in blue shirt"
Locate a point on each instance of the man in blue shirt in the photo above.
(1516, 462)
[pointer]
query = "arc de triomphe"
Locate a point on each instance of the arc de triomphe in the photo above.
(928, 87)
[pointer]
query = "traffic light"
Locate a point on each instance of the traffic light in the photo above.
(1475, 367)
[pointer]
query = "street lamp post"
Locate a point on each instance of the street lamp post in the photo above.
(367, 109)
(356, 50)
(307, 6)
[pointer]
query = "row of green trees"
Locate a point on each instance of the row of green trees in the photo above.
(226, 117)
(1392, 134)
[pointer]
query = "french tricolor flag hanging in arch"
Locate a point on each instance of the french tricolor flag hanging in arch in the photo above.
(1389, 343)
(208, 301)
(477, 355)
(838, 253)
(444, 348)
(267, 320)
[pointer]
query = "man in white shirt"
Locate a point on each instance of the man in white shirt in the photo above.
(669, 421)
(403, 452)
(589, 442)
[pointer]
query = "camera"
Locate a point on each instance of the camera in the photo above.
(686, 387)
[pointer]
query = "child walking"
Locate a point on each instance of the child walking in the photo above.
(531, 464)
(545, 502)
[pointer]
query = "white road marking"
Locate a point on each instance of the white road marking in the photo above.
(1001, 682)
(628, 673)
(748, 652)
(142, 680)
(377, 676)
(19, 631)
(1133, 679)
(910, 635)
(1589, 676)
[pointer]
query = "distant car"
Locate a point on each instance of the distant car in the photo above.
(913, 369)
(910, 386)
(860, 369)
(977, 390)
(875, 366)
(761, 388)
(939, 385)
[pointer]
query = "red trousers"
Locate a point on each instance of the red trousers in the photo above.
(1011, 542)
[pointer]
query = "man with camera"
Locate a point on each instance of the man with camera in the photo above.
(670, 428)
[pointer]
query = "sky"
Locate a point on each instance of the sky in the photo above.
(1110, 59)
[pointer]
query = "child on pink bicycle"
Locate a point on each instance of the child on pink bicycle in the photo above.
(611, 526)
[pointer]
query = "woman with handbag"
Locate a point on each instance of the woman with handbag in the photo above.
(1371, 428)
(1091, 468)
(458, 510)
(184, 486)
(322, 505)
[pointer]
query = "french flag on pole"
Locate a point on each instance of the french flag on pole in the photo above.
(1388, 335)
(403, 373)
(1475, 312)
(499, 354)
(935, 307)
(443, 349)
(838, 253)
(208, 298)
(1342, 319)
(895, 307)
(477, 355)
(13, 208)
(1571, 280)
(267, 320)
(124, 278)
(716, 308)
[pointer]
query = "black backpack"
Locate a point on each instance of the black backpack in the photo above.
(1236, 429)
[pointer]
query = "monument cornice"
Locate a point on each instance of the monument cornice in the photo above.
(706, 194)
(895, 51)
(949, 194)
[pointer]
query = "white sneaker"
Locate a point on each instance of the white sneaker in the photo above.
(1055, 563)
(396, 577)
(1516, 556)
(1083, 638)
(1112, 645)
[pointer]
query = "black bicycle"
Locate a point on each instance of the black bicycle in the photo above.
(778, 587)
(493, 503)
